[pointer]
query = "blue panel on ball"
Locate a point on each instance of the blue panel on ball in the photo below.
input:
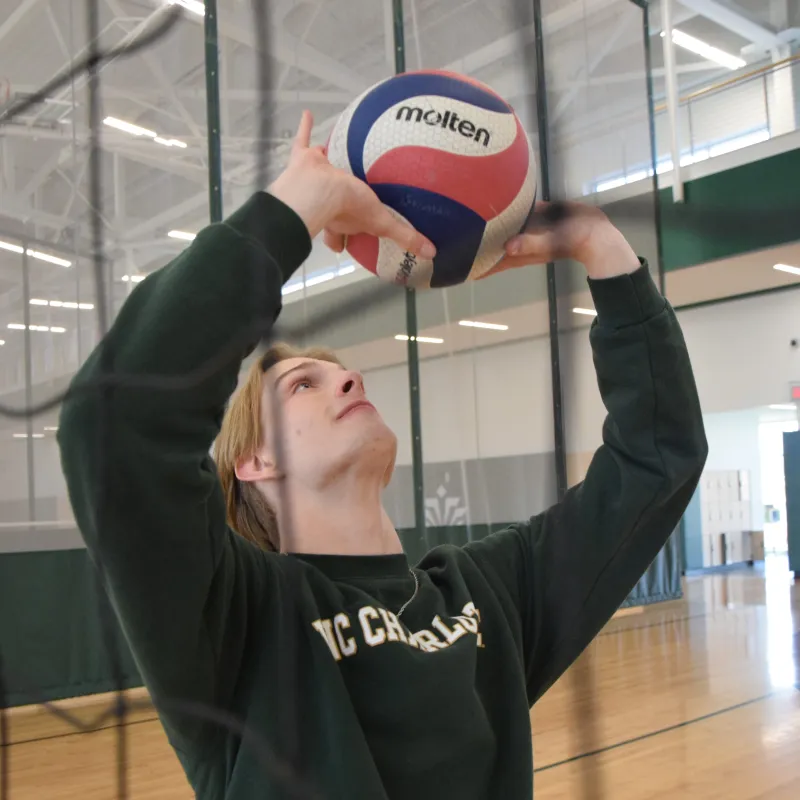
(456, 230)
(403, 87)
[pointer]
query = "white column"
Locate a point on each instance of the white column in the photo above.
(671, 80)
(780, 89)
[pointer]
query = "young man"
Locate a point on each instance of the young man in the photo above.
(302, 656)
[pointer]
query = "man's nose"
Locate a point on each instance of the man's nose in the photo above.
(351, 382)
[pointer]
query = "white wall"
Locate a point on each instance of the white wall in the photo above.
(740, 352)
(496, 401)
(485, 403)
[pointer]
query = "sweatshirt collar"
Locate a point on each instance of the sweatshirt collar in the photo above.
(344, 567)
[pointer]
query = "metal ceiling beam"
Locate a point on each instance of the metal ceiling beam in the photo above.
(736, 20)
(289, 50)
(148, 95)
(588, 68)
(24, 213)
(511, 43)
(157, 71)
(14, 18)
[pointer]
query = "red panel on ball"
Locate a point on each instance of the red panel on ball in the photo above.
(364, 249)
(486, 185)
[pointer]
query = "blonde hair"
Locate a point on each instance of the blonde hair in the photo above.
(242, 433)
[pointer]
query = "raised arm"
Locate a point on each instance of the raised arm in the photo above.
(142, 484)
(136, 459)
(569, 569)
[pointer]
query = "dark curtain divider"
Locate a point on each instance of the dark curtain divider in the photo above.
(50, 625)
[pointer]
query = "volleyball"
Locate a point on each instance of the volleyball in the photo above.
(448, 155)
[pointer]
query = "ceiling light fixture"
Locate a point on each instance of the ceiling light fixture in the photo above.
(15, 248)
(170, 142)
(16, 326)
(324, 277)
(783, 407)
(787, 268)
(129, 127)
(184, 235)
(62, 304)
(138, 130)
(59, 262)
(190, 5)
(705, 50)
(589, 312)
(491, 326)
(425, 339)
(25, 435)
(133, 278)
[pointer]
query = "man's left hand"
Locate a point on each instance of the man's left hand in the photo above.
(583, 233)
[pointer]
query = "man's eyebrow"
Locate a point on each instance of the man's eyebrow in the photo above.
(304, 365)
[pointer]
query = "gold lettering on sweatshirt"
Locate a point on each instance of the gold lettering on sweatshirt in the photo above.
(379, 626)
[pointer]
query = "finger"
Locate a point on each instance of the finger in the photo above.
(335, 241)
(500, 266)
(407, 237)
(507, 263)
(529, 245)
(303, 137)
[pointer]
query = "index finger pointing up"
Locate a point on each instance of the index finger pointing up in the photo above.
(303, 137)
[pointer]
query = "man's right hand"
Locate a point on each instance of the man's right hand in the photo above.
(330, 200)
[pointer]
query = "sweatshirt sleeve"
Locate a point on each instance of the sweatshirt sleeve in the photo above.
(137, 463)
(566, 571)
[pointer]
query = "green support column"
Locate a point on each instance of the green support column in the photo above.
(411, 326)
(212, 112)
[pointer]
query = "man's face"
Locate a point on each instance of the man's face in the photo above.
(329, 427)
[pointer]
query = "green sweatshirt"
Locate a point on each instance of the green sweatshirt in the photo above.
(288, 676)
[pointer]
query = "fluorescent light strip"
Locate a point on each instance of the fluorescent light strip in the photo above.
(25, 435)
(138, 130)
(60, 262)
(62, 304)
(16, 326)
(291, 288)
(787, 268)
(2, 342)
(783, 407)
(129, 127)
(15, 248)
(491, 326)
(705, 50)
(326, 276)
(170, 142)
(133, 278)
(184, 235)
(425, 339)
(190, 5)
(589, 312)
(49, 429)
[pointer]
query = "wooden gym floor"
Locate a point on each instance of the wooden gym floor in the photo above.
(695, 698)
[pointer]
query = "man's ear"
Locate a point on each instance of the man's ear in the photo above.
(256, 468)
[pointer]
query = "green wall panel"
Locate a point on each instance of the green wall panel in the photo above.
(51, 632)
(771, 184)
(50, 629)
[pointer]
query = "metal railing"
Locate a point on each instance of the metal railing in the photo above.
(746, 109)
